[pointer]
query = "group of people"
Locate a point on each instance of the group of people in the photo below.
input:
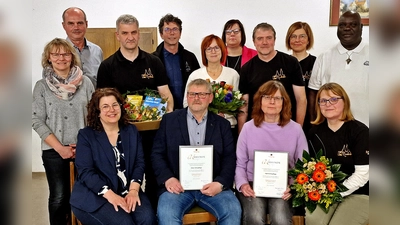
(292, 103)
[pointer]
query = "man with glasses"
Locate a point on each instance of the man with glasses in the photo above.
(270, 64)
(179, 62)
(195, 126)
(346, 64)
(132, 69)
(91, 55)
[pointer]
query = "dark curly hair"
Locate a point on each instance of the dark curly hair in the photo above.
(93, 119)
(269, 88)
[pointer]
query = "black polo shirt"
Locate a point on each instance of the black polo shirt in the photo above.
(146, 71)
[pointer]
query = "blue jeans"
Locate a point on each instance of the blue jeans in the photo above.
(255, 210)
(224, 206)
(57, 173)
(106, 214)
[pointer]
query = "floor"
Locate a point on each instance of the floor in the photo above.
(40, 193)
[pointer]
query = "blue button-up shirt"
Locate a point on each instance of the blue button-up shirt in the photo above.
(91, 56)
(197, 131)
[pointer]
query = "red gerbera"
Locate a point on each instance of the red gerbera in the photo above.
(331, 185)
(302, 178)
(320, 166)
(314, 195)
(318, 176)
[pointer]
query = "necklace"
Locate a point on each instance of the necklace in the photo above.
(214, 74)
(237, 61)
(348, 60)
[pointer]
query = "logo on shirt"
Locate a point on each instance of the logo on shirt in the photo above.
(366, 63)
(345, 151)
(279, 75)
(147, 74)
(187, 67)
(306, 76)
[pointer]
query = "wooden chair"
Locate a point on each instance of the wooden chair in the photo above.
(198, 215)
(72, 175)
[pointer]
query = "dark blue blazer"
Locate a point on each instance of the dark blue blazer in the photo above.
(95, 162)
(173, 132)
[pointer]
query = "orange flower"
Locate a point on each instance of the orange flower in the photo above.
(320, 166)
(302, 178)
(318, 176)
(331, 185)
(314, 195)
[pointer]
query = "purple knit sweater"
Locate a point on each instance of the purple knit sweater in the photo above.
(269, 136)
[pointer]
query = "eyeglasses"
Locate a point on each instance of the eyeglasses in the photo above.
(229, 32)
(107, 108)
(275, 98)
(169, 30)
(301, 36)
(215, 48)
(332, 100)
(201, 95)
(58, 55)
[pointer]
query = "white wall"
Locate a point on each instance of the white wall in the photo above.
(200, 18)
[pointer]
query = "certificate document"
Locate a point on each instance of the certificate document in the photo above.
(195, 166)
(270, 173)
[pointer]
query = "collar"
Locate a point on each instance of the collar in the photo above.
(84, 45)
(191, 116)
(358, 49)
(166, 53)
(121, 57)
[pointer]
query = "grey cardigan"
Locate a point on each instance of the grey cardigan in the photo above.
(63, 118)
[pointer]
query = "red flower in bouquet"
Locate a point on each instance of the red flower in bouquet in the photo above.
(318, 176)
(302, 178)
(320, 166)
(318, 182)
(331, 185)
(314, 195)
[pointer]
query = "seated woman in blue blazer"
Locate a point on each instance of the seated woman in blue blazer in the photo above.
(110, 165)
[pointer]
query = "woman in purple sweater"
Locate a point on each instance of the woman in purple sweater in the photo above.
(270, 129)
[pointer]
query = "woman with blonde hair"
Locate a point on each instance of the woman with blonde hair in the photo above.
(300, 39)
(346, 141)
(58, 112)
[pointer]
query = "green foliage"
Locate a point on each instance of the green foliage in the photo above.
(327, 190)
(225, 99)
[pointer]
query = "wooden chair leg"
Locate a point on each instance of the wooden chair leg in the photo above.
(72, 175)
(71, 185)
(298, 220)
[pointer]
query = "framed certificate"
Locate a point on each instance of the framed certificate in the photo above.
(195, 166)
(270, 173)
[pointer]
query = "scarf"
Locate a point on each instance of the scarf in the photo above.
(63, 88)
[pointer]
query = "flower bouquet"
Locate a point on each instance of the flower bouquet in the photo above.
(225, 99)
(151, 108)
(317, 182)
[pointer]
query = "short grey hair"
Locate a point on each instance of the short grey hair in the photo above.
(201, 82)
(263, 26)
(126, 19)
